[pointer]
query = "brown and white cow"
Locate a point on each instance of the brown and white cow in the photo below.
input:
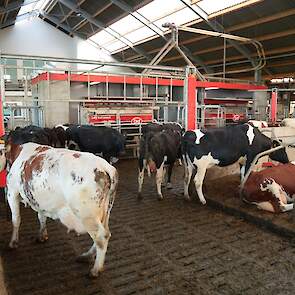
(75, 187)
(271, 189)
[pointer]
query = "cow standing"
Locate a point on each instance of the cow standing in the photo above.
(202, 149)
(105, 140)
(76, 188)
(271, 189)
(157, 150)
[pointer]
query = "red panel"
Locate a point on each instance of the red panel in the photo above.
(273, 106)
(94, 119)
(191, 103)
(135, 119)
(224, 101)
(109, 78)
(223, 85)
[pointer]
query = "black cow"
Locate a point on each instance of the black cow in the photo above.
(158, 127)
(202, 149)
(55, 137)
(96, 139)
(158, 149)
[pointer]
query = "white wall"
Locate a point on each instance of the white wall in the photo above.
(36, 37)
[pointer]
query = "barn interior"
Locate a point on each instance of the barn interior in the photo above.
(124, 64)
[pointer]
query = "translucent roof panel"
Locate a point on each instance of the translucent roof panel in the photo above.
(179, 18)
(102, 38)
(155, 14)
(30, 6)
(138, 34)
(210, 6)
(159, 8)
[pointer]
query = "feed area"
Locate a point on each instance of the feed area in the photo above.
(157, 247)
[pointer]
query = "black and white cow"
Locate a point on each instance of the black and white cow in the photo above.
(202, 149)
(95, 139)
(158, 150)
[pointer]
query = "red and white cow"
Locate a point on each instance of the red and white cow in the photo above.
(271, 189)
(75, 187)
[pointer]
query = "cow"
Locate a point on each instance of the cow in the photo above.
(271, 189)
(288, 122)
(157, 150)
(258, 124)
(96, 139)
(76, 188)
(55, 137)
(158, 127)
(202, 149)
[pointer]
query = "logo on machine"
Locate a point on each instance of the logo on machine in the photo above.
(136, 120)
(236, 117)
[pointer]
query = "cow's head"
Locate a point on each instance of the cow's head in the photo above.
(279, 155)
(12, 148)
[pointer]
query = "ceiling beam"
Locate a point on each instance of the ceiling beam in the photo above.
(57, 24)
(99, 11)
(288, 49)
(146, 22)
(268, 77)
(216, 26)
(13, 6)
(245, 25)
(102, 26)
(261, 38)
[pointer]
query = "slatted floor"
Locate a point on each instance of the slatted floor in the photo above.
(168, 247)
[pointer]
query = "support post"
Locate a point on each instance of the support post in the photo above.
(191, 103)
(2, 98)
(274, 105)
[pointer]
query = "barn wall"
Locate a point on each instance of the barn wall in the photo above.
(36, 37)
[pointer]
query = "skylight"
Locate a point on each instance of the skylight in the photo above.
(153, 15)
(29, 6)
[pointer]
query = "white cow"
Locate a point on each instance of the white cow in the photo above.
(76, 188)
(288, 122)
(258, 124)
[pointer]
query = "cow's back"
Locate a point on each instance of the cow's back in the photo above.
(62, 184)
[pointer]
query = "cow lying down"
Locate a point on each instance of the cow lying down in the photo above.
(76, 188)
(271, 189)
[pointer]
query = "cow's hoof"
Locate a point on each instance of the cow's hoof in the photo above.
(13, 244)
(169, 185)
(93, 274)
(139, 196)
(83, 259)
(203, 202)
(42, 239)
(187, 197)
(160, 198)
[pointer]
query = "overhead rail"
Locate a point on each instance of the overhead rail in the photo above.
(258, 46)
(91, 62)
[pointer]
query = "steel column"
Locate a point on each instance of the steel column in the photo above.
(191, 103)
(273, 105)
(2, 98)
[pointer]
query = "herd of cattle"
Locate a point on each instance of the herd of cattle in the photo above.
(58, 174)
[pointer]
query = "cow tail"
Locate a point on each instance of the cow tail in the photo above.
(113, 189)
(183, 148)
(107, 182)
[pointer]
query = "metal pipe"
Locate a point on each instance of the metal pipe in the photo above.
(91, 62)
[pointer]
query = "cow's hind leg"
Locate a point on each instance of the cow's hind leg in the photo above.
(88, 255)
(100, 237)
(43, 235)
(198, 180)
(14, 202)
(170, 167)
(188, 171)
(159, 178)
(141, 166)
